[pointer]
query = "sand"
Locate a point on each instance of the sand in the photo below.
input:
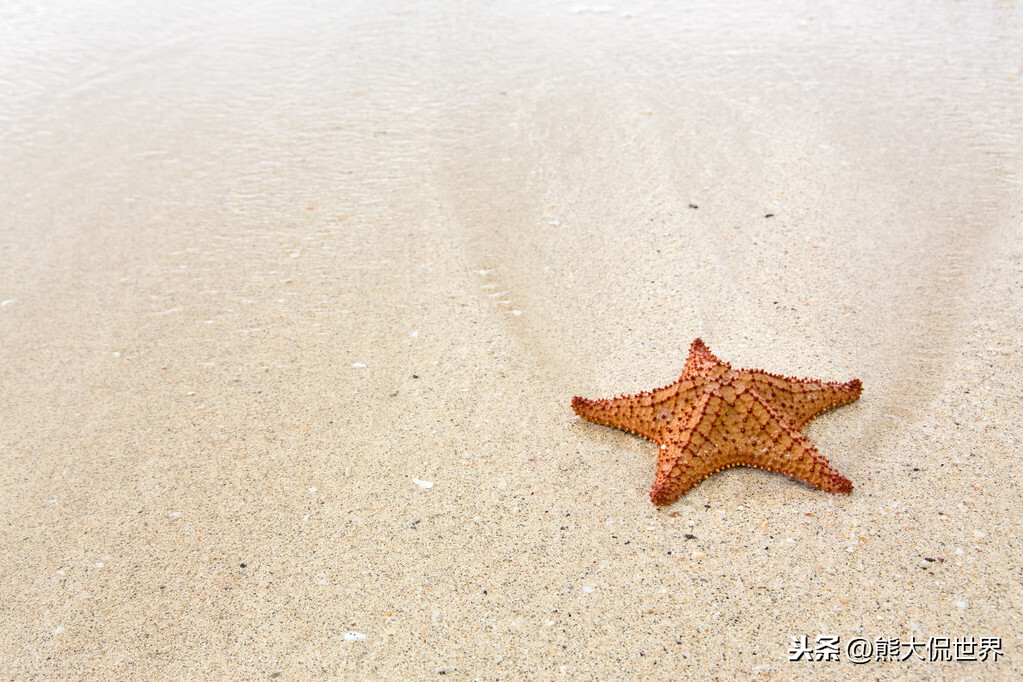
(294, 300)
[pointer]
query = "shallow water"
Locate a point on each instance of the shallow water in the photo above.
(905, 115)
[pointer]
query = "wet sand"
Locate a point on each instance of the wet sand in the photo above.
(295, 300)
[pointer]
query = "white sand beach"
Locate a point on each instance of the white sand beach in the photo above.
(294, 299)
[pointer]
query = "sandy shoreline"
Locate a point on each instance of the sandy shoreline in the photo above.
(295, 304)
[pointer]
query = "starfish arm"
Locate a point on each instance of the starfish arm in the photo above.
(689, 456)
(772, 443)
(700, 361)
(800, 400)
(649, 414)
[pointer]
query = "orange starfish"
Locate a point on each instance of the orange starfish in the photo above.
(715, 417)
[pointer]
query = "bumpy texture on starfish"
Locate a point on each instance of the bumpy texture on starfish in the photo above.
(715, 417)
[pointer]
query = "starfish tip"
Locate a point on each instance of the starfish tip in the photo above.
(842, 486)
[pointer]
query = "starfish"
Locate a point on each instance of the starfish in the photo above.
(715, 417)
